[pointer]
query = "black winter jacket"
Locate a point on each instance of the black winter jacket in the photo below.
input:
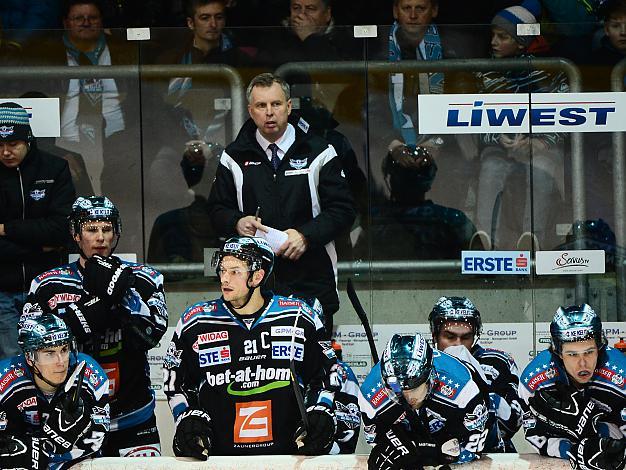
(35, 201)
(308, 193)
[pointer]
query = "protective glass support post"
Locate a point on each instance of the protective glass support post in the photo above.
(619, 196)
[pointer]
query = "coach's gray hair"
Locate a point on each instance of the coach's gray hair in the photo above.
(266, 80)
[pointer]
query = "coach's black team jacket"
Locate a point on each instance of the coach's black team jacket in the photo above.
(308, 193)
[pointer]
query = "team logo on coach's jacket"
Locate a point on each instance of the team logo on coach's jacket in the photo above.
(298, 163)
(38, 194)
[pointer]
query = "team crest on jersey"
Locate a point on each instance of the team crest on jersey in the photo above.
(529, 421)
(617, 380)
(19, 372)
(6, 131)
(348, 414)
(476, 419)
(173, 355)
(298, 163)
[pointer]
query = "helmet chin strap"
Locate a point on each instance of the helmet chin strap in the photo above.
(39, 375)
(248, 295)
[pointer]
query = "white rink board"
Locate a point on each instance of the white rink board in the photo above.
(325, 462)
(514, 338)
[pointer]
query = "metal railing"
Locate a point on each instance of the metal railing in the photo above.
(139, 72)
(476, 65)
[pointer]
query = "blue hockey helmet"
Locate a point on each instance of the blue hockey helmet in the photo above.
(94, 208)
(460, 309)
(40, 330)
(576, 323)
(253, 250)
(407, 362)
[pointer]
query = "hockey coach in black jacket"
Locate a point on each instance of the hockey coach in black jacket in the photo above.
(278, 174)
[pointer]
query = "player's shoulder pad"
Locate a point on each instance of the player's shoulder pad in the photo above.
(206, 308)
(350, 375)
(497, 355)
(453, 380)
(543, 371)
(95, 376)
(294, 304)
(374, 392)
(145, 271)
(12, 372)
(60, 272)
(610, 368)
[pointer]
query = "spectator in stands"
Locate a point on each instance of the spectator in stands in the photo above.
(411, 226)
(22, 20)
(78, 170)
(309, 34)
(503, 204)
(575, 23)
(180, 235)
(415, 36)
(99, 116)
(36, 195)
(278, 168)
(613, 44)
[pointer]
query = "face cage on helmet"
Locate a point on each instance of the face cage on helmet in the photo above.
(77, 224)
(254, 262)
(397, 386)
(438, 322)
(30, 354)
(598, 338)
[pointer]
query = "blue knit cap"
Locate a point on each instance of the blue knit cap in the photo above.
(14, 123)
(526, 13)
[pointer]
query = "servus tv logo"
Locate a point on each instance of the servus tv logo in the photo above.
(521, 113)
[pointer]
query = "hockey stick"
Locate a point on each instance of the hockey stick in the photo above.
(363, 317)
(294, 383)
(76, 378)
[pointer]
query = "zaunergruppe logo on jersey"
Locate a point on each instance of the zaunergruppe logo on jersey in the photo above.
(570, 262)
(521, 113)
(495, 262)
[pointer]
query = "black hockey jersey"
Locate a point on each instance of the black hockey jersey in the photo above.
(239, 374)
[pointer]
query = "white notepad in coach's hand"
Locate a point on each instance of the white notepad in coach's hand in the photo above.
(274, 237)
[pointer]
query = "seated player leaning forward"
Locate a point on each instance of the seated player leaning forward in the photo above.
(229, 362)
(574, 394)
(53, 400)
(421, 407)
(456, 322)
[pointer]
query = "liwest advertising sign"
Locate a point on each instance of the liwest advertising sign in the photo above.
(521, 113)
(44, 114)
(495, 262)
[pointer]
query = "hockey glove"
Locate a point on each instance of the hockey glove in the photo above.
(87, 316)
(24, 452)
(64, 426)
(107, 278)
(567, 411)
(318, 438)
(395, 451)
(598, 454)
(194, 435)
